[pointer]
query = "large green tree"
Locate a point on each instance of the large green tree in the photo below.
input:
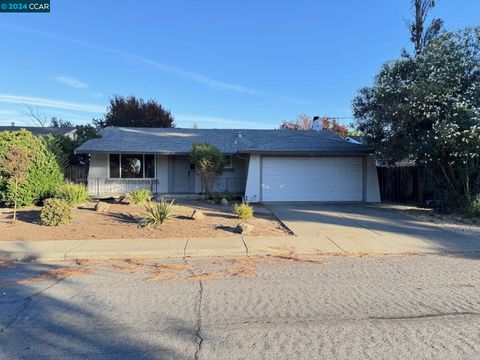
(135, 112)
(427, 109)
(44, 174)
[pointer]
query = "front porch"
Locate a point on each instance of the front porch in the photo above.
(170, 175)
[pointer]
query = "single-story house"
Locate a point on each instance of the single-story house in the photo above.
(262, 165)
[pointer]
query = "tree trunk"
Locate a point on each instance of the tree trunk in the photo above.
(15, 202)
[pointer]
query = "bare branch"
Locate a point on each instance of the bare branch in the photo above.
(37, 118)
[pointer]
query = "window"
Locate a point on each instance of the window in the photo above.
(228, 162)
(114, 165)
(132, 166)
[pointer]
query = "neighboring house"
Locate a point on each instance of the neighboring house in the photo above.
(44, 131)
(262, 165)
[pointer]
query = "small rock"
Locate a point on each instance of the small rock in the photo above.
(197, 215)
(102, 207)
(457, 218)
(468, 221)
(244, 229)
(224, 201)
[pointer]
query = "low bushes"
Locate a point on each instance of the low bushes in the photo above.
(140, 196)
(156, 213)
(243, 211)
(55, 212)
(72, 194)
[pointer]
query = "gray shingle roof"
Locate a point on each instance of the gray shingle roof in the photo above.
(40, 131)
(229, 141)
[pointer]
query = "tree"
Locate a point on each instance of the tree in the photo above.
(426, 109)
(331, 124)
(38, 119)
(133, 112)
(64, 146)
(59, 123)
(303, 122)
(420, 34)
(209, 162)
(15, 166)
(44, 172)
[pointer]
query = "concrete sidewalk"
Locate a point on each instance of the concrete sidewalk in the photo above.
(197, 247)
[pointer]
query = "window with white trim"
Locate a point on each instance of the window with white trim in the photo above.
(132, 166)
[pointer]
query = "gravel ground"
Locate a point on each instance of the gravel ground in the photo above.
(455, 223)
(396, 307)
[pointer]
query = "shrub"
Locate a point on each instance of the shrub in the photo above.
(472, 209)
(209, 163)
(243, 211)
(156, 213)
(140, 196)
(72, 194)
(216, 197)
(44, 174)
(55, 212)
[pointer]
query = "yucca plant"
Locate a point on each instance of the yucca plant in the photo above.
(156, 213)
(140, 196)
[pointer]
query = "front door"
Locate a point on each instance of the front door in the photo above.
(183, 176)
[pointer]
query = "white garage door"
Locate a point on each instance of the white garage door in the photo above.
(311, 179)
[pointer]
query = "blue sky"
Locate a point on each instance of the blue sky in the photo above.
(235, 64)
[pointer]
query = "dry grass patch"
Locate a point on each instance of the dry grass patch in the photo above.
(176, 267)
(297, 258)
(160, 275)
(244, 272)
(166, 272)
(85, 262)
(287, 249)
(368, 254)
(128, 267)
(56, 274)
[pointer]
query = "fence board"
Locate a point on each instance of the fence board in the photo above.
(401, 183)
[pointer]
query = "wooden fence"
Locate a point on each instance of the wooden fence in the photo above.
(401, 184)
(76, 173)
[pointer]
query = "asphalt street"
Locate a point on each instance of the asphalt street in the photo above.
(276, 307)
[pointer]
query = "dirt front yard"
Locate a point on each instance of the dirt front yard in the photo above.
(121, 222)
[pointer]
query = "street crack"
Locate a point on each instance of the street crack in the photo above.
(198, 325)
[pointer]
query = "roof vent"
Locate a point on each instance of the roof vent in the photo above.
(13, 124)
(239, 134)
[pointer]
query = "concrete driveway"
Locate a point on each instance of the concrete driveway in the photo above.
(375, 228)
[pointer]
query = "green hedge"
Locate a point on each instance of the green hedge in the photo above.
(44, 175)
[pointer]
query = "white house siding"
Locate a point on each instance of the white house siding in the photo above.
(253, 187)
(162, 173)
(98, 166)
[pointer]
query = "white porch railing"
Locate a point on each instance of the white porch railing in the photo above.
(100, 187)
